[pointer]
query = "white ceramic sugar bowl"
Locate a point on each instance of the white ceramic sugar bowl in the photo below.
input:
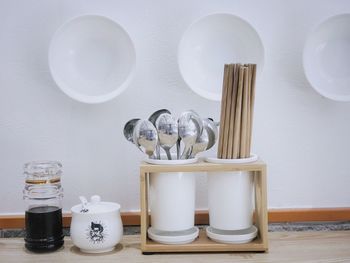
(96, 226)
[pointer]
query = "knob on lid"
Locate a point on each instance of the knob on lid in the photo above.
(95, 199)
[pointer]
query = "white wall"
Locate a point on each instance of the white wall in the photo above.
(303, 137)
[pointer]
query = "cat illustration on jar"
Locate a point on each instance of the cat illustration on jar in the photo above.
(96, 232)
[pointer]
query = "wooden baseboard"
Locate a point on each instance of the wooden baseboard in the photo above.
(202, 217)
(294, 215)
(309, 215)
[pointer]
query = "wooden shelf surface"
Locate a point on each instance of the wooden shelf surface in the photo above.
(205, 244)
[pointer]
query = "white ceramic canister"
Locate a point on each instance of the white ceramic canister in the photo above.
(230, 196)
(172, 198)
(230, 200)
(172, 201)
(96, 226)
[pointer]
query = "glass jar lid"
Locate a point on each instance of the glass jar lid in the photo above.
(43, 172)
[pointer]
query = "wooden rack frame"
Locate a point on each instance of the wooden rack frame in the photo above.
(203, 243)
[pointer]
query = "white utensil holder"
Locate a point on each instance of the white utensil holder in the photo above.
(249, 175)
(172, 201)
(230, 200)
(172, 197)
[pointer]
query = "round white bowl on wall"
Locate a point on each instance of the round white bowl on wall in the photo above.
(172, 205)
(326, 58)
(92, 58)
(211, 42)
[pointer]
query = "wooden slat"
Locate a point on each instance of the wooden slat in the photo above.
(204, 244)
(202, 166)
(263, 214)
(144, 219)
(202, 217)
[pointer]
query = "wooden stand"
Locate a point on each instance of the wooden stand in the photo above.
(203, 243)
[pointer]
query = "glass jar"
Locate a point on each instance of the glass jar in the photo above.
(43, 195)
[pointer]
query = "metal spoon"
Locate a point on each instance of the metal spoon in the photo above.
(153, 118)
(198, 121)
(207, 139)
(189, 114)
(129, 129)
(211, 127)
(189, 130)
(201, 144)
(167, 132)
(145, 136)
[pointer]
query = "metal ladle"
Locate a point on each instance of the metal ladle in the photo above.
(145, 136)
(167, 132)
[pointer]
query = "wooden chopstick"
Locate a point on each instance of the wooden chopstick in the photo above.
(233, 110)
(237, 124)
(252, 100)
(248, 111)
(223, 111)
(237, 108)
(227, 112)
(243, 141)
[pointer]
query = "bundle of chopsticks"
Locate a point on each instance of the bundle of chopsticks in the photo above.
(237, 105)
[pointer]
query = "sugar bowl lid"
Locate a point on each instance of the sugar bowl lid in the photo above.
(95, 206)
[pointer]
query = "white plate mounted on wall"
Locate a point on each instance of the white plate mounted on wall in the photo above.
(211, 42)
(92, 58)
(326, 58)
